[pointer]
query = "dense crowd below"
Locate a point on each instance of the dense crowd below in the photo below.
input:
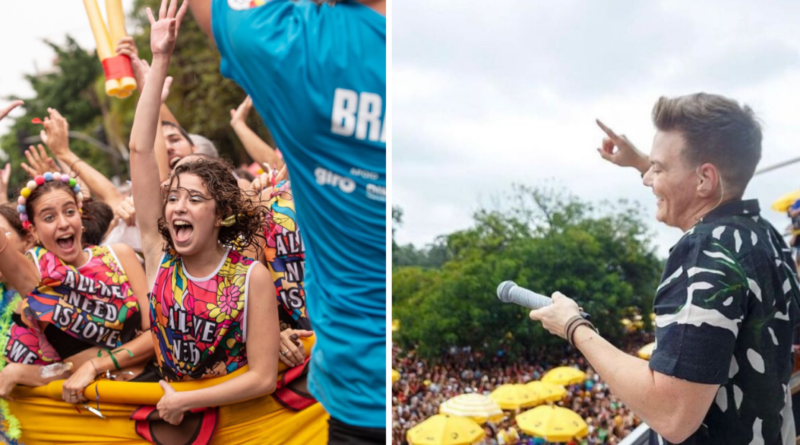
(423, 387)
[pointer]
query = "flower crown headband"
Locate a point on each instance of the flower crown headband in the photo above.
(40, 180)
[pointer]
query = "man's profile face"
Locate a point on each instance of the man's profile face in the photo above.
(178, 146)
(673, 181)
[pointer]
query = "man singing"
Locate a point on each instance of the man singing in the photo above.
(727, 305)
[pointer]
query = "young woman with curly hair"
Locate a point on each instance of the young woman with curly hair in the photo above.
(213, 310)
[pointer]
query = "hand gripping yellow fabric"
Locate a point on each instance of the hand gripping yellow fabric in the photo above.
(117, 67)
(45, 419)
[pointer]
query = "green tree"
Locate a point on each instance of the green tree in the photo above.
(69, 88)
(547, 241)
(200, 97)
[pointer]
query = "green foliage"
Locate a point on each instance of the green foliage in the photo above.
(200, 98)
(68, 88)
(434, 255)
(546, 241)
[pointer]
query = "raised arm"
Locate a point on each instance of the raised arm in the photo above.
(626, 154)
(260, 151)
(141, 69)
(201, 10)
(144, 168)
(20, 273)
(5, 174)
(57, 130)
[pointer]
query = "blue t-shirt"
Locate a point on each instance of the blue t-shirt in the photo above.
(317, 75)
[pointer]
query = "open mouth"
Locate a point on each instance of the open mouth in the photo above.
(183, 231)
(66, 242)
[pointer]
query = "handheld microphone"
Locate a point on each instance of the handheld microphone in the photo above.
(509, 292)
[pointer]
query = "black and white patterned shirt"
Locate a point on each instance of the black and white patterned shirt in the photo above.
(726, 313)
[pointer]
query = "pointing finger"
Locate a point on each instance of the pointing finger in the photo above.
(607, 130)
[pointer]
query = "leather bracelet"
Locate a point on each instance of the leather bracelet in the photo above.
(575, 327)
(73, 165)
(96, 372)
(569, 324)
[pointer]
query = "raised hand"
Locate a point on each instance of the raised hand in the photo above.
(239, 115)
(4, 111)
(5, 176)
(141, 70)
(164, 32)
(264, 180)
(126, 211)
(626, 154)
(127, 47)
(57, 133)
(38, 162)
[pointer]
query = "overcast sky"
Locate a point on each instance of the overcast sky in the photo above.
(23, 29)
(491, 93)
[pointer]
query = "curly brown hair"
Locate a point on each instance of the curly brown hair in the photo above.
(216, 175)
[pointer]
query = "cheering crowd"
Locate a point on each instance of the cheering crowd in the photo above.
(423, 387)
(107, 280)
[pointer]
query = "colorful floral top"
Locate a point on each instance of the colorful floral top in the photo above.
(199, 324)
(93, 303)
(286, 258)
(20, 343)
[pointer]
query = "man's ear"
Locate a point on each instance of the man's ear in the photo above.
(709, 179)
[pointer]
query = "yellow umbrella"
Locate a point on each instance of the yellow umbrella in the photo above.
(513, 396)
(445, 430)
(548, 392)
(564, 375)
(784, 202)
(395, 375)
(553, 423)
(474, 406)
(646, 351)
(395, 325)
